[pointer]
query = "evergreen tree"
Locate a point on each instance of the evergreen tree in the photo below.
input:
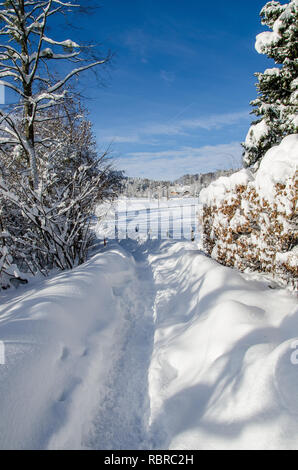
(277, 103)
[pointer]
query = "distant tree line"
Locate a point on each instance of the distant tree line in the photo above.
(186, 186)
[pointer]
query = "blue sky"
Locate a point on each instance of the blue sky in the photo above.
(177, 93)
(178, 97)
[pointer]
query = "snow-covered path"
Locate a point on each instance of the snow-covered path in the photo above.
(122, 419)
(150, 345)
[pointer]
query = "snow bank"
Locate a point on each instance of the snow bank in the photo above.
(224, 371)
(249, 221)
(61, 339)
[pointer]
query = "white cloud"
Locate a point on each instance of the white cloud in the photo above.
(171, 164)
(215, 121)
(123, 139)
(174, 127)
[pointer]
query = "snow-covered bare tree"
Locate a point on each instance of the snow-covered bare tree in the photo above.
(50, 226)
(51, 176)
(27, 57)
(276, 106)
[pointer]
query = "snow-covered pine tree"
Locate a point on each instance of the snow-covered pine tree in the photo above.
(276, 106)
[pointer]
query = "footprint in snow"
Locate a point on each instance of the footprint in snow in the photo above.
(67, 392)
(64, 354)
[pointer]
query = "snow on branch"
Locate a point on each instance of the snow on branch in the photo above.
(24, 65)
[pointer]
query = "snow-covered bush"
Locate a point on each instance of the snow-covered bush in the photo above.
(10, 268)
(55, 221)
(276, 106)
(9, 272)
(49, 226)
(250, 221)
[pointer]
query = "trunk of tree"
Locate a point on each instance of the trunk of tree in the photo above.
(28, 106)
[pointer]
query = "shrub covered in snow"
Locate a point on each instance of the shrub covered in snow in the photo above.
(9, 271)
(49, 227)
(249, 221)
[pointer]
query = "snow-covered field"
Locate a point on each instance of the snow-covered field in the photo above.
(149, 345)
(139, 218)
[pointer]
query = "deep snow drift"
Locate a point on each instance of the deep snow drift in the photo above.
(224, 370)
(149, 345)
(64, 341)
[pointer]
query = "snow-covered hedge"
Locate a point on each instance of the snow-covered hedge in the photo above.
(249, 221)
